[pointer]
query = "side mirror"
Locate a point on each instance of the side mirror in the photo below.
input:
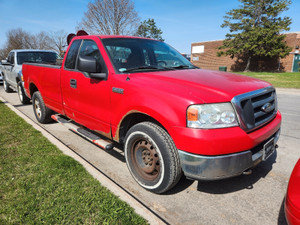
(5, 63)
(89, 64)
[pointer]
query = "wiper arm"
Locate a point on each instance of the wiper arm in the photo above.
(183, 67)
(180, 67)
(142, 68)
(155, 68)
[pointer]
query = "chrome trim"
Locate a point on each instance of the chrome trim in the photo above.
(200, 167)
(236, 102)
(214, 167)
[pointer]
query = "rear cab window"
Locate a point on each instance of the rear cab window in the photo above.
(36, 57)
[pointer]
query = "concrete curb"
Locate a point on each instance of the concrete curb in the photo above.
(114, 188)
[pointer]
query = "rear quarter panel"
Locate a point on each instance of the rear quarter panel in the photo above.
(47, 80)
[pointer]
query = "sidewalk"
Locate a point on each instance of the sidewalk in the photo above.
(290, 91)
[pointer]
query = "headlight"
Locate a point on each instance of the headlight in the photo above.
(209, 116)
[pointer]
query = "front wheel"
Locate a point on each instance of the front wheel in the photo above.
(41, 112)
(152, 157)
(21, 93)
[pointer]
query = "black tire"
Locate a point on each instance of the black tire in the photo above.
(41, 112)
(6, 86)
(152, 157)
(21, 93)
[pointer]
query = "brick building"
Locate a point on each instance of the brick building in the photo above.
(204, 55)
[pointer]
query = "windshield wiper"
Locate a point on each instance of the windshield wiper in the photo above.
(157, 68)
(142, 68)
(184, 67)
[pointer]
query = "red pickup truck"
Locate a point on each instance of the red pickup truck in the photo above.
(169, 117)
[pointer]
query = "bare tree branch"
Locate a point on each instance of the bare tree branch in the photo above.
(58, 40)
(111, 17)
(20, 39)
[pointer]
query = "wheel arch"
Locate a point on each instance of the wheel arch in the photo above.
(19, 77)
(130, 120)
(32, 88)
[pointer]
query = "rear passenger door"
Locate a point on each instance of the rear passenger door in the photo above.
(86, 100)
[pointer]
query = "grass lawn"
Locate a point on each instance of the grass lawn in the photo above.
(282, 80)
(40, 185)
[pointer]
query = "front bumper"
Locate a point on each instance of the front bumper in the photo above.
(200, 167)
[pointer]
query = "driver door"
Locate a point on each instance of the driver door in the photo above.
(86, 100)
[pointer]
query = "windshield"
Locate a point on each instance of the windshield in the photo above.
(135, 55)
(37, 57)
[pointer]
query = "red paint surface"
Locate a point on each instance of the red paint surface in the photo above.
(292, 202)
(162, 95)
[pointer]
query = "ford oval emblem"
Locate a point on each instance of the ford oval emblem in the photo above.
(267, 107)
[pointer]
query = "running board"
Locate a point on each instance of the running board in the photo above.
(105, 144)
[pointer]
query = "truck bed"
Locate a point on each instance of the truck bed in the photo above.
(47, 76)
(55, 66)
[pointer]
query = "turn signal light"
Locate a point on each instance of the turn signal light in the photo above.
(192, 114)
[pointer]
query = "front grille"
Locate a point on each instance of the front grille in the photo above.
(256, 108)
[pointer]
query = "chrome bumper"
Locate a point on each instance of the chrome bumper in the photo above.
(201, 167)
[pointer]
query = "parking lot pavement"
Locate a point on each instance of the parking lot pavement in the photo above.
(252, 199)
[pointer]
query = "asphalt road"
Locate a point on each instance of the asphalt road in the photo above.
(253, 199)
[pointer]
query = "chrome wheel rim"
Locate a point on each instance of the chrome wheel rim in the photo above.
(37, 108)
(20, 93)
(4, 85)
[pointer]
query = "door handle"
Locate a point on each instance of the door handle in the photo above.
(73, 83)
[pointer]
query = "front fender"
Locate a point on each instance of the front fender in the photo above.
(167, 110)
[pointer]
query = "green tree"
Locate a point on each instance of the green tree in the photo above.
(149, 29)
(256, 30)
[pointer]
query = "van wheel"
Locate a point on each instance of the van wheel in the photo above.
(152, 157)
(6, 86)
(41, 112)
(21, 93)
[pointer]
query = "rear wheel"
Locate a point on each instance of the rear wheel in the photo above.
(21, 93)
(6, 86)
(152, 157)
(41, 112)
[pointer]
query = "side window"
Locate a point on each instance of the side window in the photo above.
(90, 48)
(72, 55)
(10, 58)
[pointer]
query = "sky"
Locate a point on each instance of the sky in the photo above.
(182, 21)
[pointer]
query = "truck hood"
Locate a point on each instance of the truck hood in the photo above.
(201, 86)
